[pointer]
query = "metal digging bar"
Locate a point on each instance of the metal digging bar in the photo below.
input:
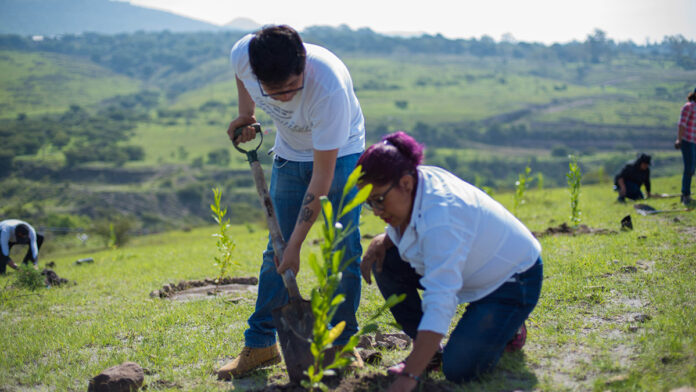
(294, 321)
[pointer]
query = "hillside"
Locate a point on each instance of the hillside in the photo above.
(616, 310)
(132, 126)
(56, 17)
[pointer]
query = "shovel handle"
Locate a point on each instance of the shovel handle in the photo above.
(267, 206)
(251, 154)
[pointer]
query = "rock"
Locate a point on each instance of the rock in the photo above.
(365, 342)
(371, 357)
(617, 378)
(683, 389)
(395, 341)
(126, 377)
(629, 269)
(641, 318)
(677, 220)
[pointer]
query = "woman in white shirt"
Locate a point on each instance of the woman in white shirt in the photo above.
(455, 243)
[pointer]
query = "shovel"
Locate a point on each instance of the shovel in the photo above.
(295, 320)
(645, 209)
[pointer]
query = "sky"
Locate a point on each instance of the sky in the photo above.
(546, 21)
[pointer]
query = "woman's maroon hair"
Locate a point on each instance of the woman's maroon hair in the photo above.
(385, 162)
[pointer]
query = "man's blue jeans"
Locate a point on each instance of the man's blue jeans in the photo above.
(688, 150)
(479, 339)
(289, 182)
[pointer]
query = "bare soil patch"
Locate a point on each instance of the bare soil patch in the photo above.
(565, 229)
(195, 289)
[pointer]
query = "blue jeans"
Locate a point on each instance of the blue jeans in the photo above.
(289, 182)
(479, 339)
(688, 150)
(633, 191)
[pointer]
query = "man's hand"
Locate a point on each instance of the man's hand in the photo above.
(249, 133)
(677, 144)
(375, 253)
(291, 259)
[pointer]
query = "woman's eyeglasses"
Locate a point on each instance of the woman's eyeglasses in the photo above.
(377, 203)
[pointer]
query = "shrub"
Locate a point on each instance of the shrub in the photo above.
(29, 278)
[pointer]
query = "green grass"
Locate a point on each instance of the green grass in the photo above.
(582, 336)
(38, 83)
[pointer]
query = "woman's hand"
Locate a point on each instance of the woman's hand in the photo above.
(375, 253)
(402, 384)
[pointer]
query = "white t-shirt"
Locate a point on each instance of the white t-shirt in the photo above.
(324, 115)
(464, 243)
(7, 235)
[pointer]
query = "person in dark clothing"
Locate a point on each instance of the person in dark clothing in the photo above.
(632, 177)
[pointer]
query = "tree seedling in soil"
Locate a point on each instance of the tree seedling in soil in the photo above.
(225, 244)
(520, 187)
(324, 301)
(574, 177)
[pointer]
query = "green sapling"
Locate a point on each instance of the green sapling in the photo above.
(325, 301)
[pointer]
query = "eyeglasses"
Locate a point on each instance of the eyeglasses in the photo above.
(278, 94)
(377, 203)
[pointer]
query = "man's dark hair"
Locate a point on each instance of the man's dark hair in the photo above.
(276, 53)
(21, 230)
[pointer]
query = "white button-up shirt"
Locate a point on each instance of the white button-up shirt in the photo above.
(463, 243)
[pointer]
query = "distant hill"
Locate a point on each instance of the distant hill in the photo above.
(55, 17)
(242, 24)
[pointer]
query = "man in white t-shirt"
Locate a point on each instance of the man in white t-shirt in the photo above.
(17, 232)
(308, 92)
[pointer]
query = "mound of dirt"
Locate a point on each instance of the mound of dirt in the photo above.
(52, 278)
(375, 381)
(568, 230)
(190, 289)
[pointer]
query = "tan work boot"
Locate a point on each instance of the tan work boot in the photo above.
(356, 363)
(250, 359)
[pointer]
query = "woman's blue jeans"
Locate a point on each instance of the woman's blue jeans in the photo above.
(479, 339)
(289, 182)
(688, 150)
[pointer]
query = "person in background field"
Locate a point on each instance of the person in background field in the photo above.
(308, 92)
(686, 141)
(632, 177)
(451, 240)
(13, 232)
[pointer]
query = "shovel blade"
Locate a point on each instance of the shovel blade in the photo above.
(295, 323)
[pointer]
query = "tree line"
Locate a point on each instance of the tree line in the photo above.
(157, 55)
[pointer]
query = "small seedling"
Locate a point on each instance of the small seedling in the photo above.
(225, 244)
(574, 177)
(520, 187)
(324, 301)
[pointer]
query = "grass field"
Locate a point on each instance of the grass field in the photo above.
(39, 83)
(585, 334)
